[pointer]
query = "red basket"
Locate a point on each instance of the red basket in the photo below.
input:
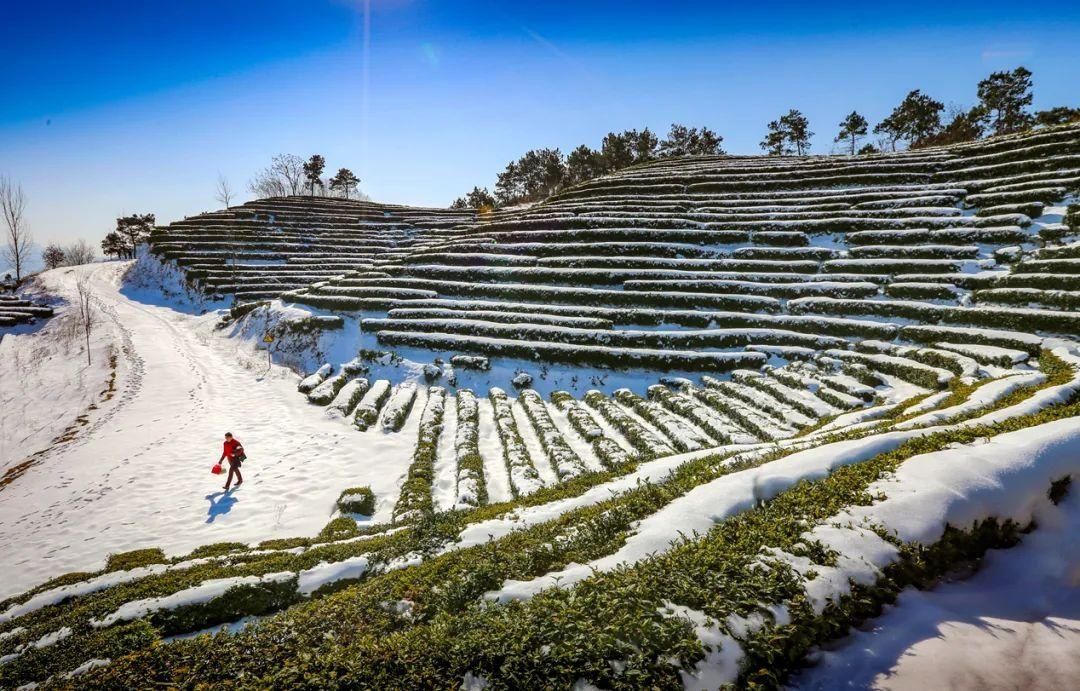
(217, 469)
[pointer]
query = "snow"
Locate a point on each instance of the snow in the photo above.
(132, 474)
(986, 353)
(1016, 622)
(491, 451)
(444, 486)
(723, 654)
(985, 395)
(204, 592)
(87, 666)
(52, 638)
(324, 573)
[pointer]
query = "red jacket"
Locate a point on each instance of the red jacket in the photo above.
(231, 447)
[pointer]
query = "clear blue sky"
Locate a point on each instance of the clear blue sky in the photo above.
(113, 107)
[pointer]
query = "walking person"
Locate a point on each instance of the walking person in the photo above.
(234, 452)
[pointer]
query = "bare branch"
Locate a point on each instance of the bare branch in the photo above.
(18, 243)
(223, 192)
(84, 297)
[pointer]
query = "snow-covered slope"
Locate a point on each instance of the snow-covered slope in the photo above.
(137, 474)
(682, 425)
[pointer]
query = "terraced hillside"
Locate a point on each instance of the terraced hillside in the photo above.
(265, 247)
(686, 256)
(672, 428)
(15, 310)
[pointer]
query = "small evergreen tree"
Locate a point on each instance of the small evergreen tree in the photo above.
(868, 148)
(113, 245)
(1061, 115)
(797, 129)
(313, 171)
(890, 130)
(852, 129)
(775, 142)
(617, 151)
(1005, 98)
(916, 119)
(52, 256)
(479, 198)
(690, 141)
(964, 126)
(583, 164)
(344, 182)
(134, 230)
(537, 174)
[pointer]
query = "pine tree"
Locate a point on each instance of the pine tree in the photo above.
(313, 171)
(775, 142)
(916, 119)
(113, 245)
(1061, 115)
(133, 231)
(852, 129)
(583, 164)
(690, 141)
(345, 182)
(479, 198)
(964, 126)
(537, 174)
(1005, 98)
(797, 128)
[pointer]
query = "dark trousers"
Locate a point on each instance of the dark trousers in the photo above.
(234, 469)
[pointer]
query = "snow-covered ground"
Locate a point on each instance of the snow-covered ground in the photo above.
(1015, 624)
(137, 474)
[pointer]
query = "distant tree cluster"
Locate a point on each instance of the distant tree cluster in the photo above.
(543, 172)
(289, 175)
(1004, 107)
(790, 134)
(74, 254)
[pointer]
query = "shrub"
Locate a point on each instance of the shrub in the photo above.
(471, 489)
(217, 549)
(399, 406)
(125, 561)
(523, 476)
(609, 452)
(367, 411)
(239, 601)
(359, 500)
(415, 498)
(566, 463)
(327, 390)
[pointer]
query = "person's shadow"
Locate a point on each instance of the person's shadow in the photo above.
(220, 504)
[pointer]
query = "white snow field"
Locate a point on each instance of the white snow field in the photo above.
(138, 474)
(805, 422)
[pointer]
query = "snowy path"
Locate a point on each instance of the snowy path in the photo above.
(141, 478)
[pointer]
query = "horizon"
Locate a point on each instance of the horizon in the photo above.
(132, 109)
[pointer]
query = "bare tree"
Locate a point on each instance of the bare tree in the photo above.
(12, 206)
(223, 192)
(284, 176)
(84, 297)
(79, 252)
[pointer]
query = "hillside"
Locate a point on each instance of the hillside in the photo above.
(682, 425)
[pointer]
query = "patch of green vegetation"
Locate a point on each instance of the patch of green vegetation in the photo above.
(357, 500)
(124, 561)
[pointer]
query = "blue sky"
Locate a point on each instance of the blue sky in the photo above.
(118, 107)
